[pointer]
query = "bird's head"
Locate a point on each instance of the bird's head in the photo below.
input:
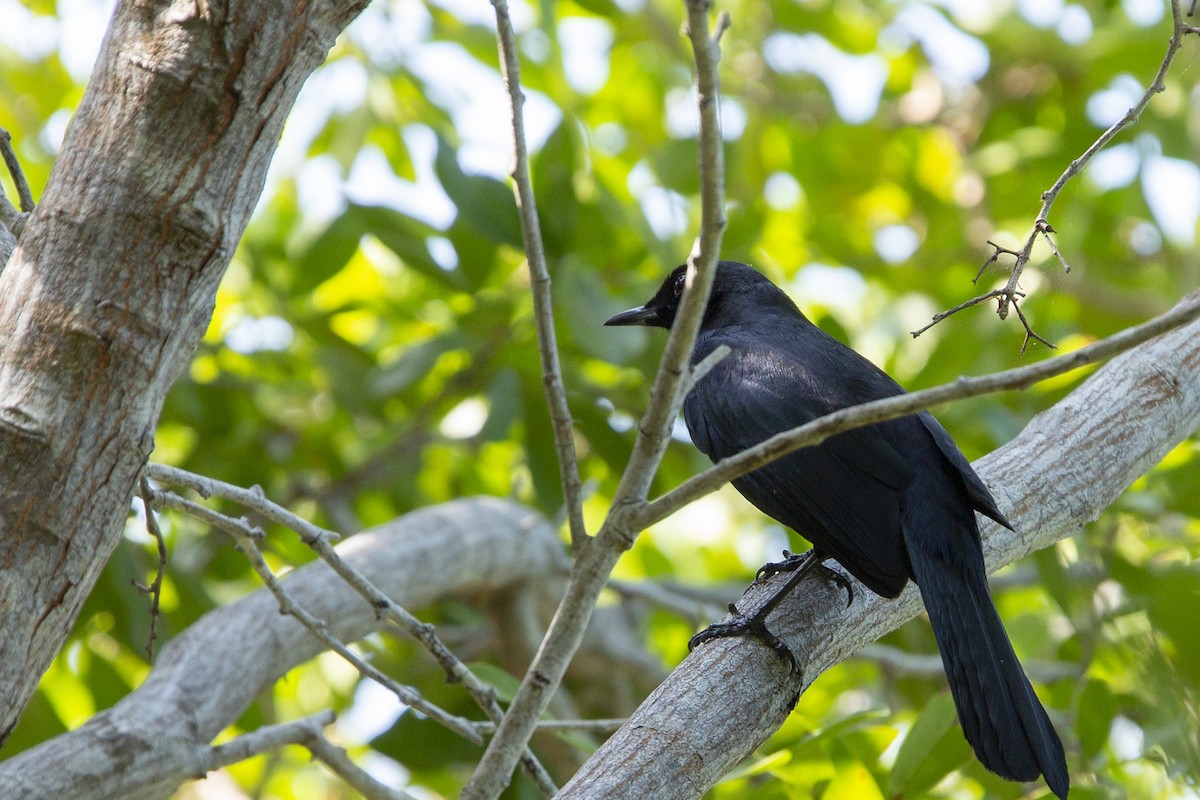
(737, 289)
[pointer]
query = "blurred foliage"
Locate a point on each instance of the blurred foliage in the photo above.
(372, 348)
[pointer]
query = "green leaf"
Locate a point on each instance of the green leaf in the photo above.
(483, 203)
(584, 304)
(1097, 707)
(1176, 596)
(502, 681)
(327, 254)
(931, 750)
(504, 405)
(539, 443)
(414, 364)
(420, 744)
(554, 187)
(407, 238)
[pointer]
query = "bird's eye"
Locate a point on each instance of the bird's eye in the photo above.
(679, 282)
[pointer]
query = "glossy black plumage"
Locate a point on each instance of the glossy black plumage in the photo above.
(891, 502)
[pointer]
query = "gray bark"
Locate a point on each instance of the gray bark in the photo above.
(161, 734)
(113, 283)
(1060, 473)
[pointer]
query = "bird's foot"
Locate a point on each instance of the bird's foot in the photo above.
(791, 562)
(745, 625)
(794, 561)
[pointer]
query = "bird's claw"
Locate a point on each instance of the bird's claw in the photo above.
(743, 625)
(842, 581)
(769, 570)
(793, 561)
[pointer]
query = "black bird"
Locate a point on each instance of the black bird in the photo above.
(891, 502)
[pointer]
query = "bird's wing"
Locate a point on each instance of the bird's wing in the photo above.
(845, 495)
(981, 499)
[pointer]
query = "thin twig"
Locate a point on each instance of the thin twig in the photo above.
(1045, 228)
(306, 732)
(543, 304)
(930, 664)
(385, 608)
(817, 431)
(1029, 333)
(1041, 226)
(666, 395)
(974, 301)
(339, 762)
(252, 498)
(155, 587)
(691, 608)
(595, 563)
(266, 739)
(248, 545)
(214, 518)
(14, 169)
(697, 373)
(564, 726)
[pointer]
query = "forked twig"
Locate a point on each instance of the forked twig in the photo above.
(385, 608)
(616, 535)
(1008, 294)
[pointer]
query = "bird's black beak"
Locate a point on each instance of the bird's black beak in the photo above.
(642, 315)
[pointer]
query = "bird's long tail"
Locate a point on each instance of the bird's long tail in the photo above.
(1001, 717)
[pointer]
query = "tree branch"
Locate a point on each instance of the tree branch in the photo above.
(154, 589)
(1115, 427)
(160, 170)
(267, 738)
(817, 431)
(595, 563)
(13, 164)
(319, 628)
(152, 740)
(307, 733)
(1009, 293)
(318, 539)
(543, 304)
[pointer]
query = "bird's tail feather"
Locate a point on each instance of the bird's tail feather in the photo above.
(1001, 717)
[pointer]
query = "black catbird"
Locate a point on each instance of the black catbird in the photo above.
(891, 502)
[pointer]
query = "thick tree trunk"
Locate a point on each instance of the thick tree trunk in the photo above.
(113, 281)
(1060, 473)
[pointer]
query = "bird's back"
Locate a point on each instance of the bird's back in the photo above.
(847, 495)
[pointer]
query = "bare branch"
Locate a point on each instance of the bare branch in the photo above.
(241, 526)
(318, 627)
(205, 677)
(1029, 333)
(339, 762)
(318, 539)
(306, 732)
(543, 305)
(24, 196)
(654, 430)
(564, 725)
(974, 301)
(267, 738)
(817, 431)
(155, 587)
(1041, 226)
(595, 563)
(252, 498)
(1045, 228)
